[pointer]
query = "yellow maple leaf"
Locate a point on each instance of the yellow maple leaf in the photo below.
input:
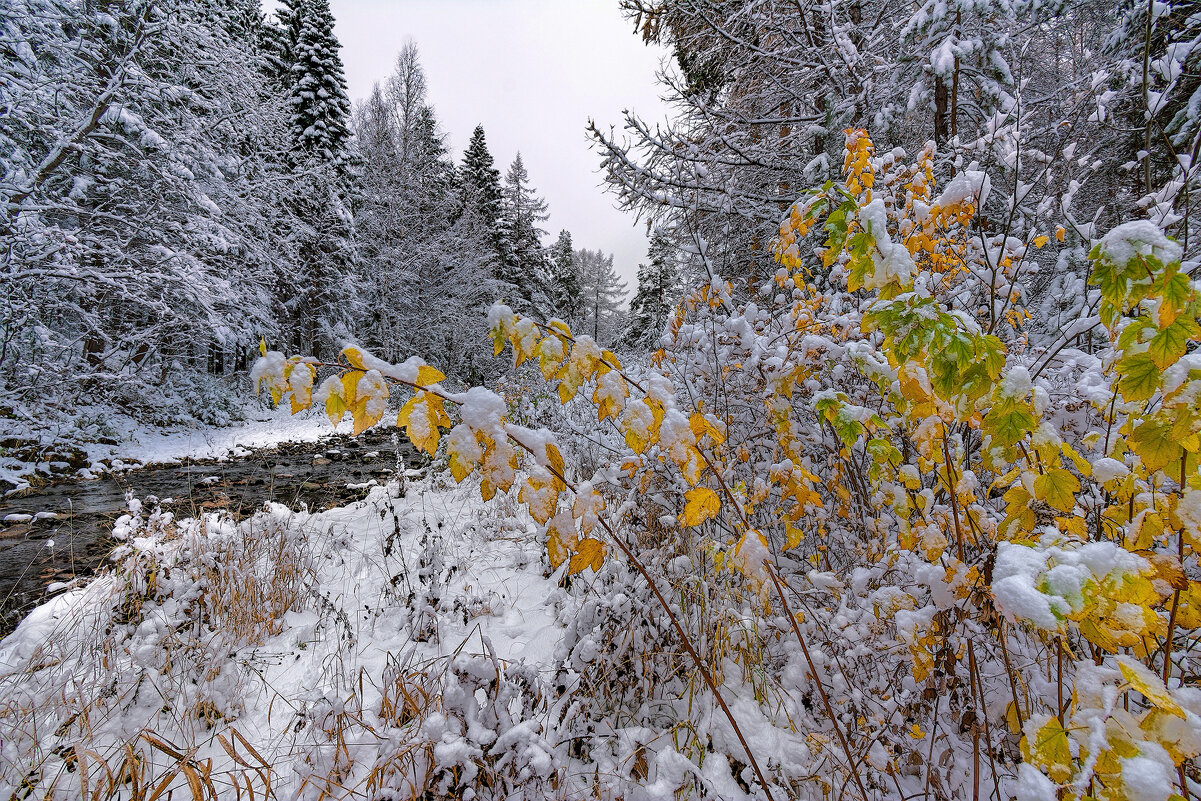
(609, 395)
(1049, 749)
(1040, 240)
(691, 464)
(587, 506)
(1058, 488)
(700, 504)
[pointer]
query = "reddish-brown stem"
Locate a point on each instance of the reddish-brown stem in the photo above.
(821, 689)
(1059, 679)
(946, 449)
(1167, 648)
(686, 641)
(1017, 707)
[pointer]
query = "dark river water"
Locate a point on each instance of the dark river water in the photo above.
(70, 545)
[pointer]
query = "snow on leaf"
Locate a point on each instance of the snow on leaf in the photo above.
(463, 451)
(1144, 681)
(421, 417)
(301, 382)
(540, 494)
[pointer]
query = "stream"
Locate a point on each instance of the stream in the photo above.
(61, 532)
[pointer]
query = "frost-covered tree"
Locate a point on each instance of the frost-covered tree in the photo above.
(603, 293)
(762, 90)
(655, 297)
(315, 83)
(525, 264)
(422, 250)
(140, 154)
(480, 193)
(1156, 112)
(564, 292)
(316, 297)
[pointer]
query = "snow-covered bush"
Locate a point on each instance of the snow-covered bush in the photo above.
(875, 522)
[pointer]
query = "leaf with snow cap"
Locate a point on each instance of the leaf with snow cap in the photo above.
(587, 506)
(560, 537)
(705, 425)
(354, 357)
(301, 382)
(421, 417)
(1149, 685)
(463, 450)
(370, 400)
(1048, 748)
(610, 395)
(540, 494)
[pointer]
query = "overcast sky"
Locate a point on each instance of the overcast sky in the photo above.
(533, 72)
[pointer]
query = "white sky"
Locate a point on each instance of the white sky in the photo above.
(533, 72)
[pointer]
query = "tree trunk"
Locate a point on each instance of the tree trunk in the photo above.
(940, 110)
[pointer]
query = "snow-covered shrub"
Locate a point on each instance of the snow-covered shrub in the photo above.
(887, 535)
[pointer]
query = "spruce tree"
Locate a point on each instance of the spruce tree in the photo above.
(320, 106)
(480, 193)
(306, 63)
(525, 265)
(565, 293)
(652, 302)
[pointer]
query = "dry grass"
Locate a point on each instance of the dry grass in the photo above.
(251, 582)
(139, 692)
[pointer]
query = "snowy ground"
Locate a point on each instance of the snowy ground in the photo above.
(348, 651)
(135, 444)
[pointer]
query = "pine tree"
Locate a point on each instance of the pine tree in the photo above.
(565, 293)
(652, 303)
(525, 265)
